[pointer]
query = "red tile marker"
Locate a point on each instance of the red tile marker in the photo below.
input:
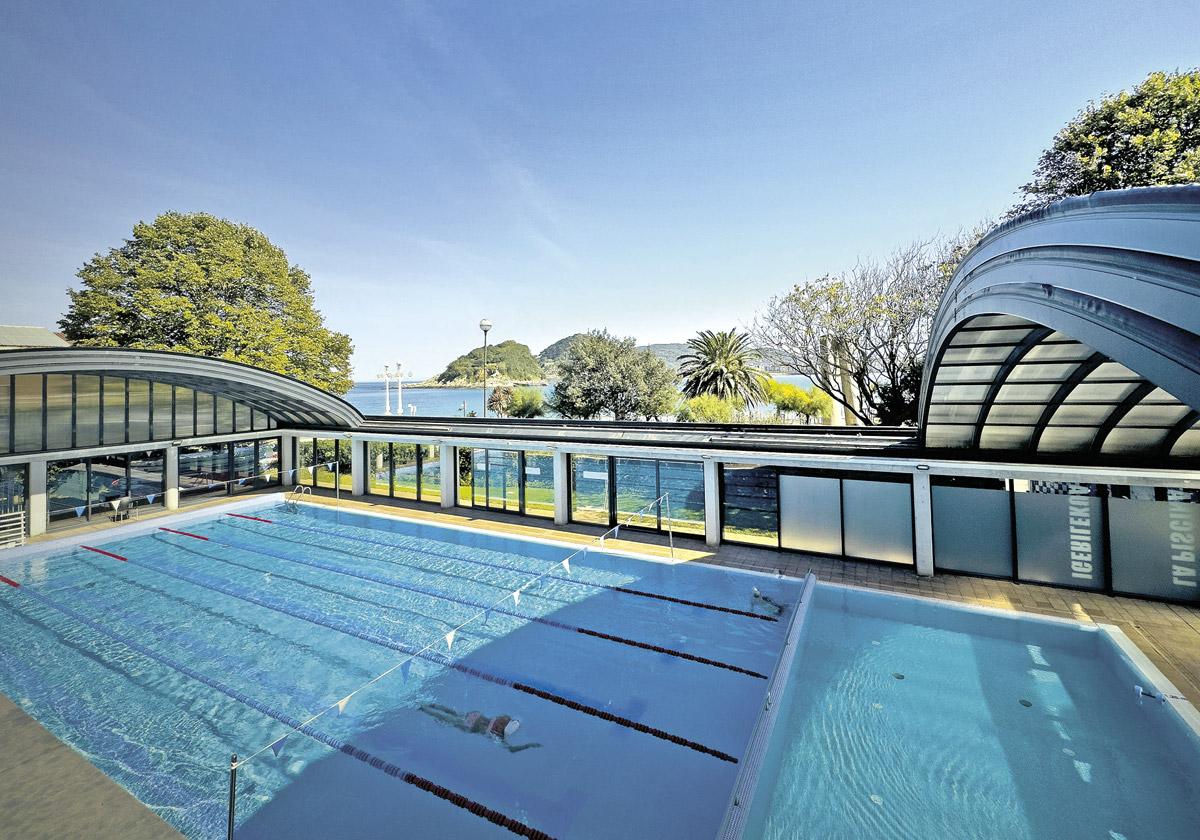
(255, 518)
(106, 553)
(10, 582)
(184, 534)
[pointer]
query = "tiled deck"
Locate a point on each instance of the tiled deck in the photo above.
(47, 790)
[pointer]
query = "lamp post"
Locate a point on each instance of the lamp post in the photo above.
(387, 397)
(399, 391)
(485, 325)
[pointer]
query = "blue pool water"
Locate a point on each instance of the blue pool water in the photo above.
(159, 667)
(950, 750)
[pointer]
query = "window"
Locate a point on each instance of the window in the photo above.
(404, 470)
(539, 484)
(503, 480)
(332, 464)
(185, 412)
(637, 489)
(203, 468)
(1154, 532)
(109, 482)
(27, 417)
(268, 462)
(5, 412)
(161, 398)
(224, 415)
(67, 489)
(750, 504)
(87, 410)
(379, 468)
(431, 474)
(146, 476)
(589, 489)
(1060, 533)
(59, 424)
(242, 419)
(683, 482)
(304, 461)
(114, 410)
(139, 410)
(205, 413)
(972, 525)
(12, 488)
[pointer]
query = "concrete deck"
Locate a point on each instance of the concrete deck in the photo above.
(47, 790)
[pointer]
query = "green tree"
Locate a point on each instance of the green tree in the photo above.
(601, 374)
(193, 283)
(508, 360)
(1149, 136)
(812, 404)
(722, 364)
(707, 408)
(527, 402)
(500, 399)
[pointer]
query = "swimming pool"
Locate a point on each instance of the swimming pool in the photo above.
(905, 717)
(169, 645)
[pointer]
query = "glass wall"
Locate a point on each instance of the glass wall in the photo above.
(67, 489)
(684, 482)
(640, 482)
(90, 488)
(877, 519)
(539, 484)
(431, 473)
(379, 468)
(589, 489)
(750, 504)
(1154, 534)
(328, 467)
(268, 462)
(810, 512)
(12, 488)
(637, 490)
(203, 468)
(405, 470)
(1060, 533)
(63, 411)
(972, 525)
(503, 480)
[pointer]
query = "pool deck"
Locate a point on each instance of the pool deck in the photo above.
(48, 790)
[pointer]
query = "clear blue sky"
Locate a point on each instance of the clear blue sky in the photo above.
(651, 168)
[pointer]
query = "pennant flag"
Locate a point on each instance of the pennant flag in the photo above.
(150, 497)
(616, 532)
(566, 564)
(405, 667)
(450, 639)
(241, 481)
(308, 470)
(79, 510)
(116, 503)
(517, 597)
(277, 746)
(341, 704)
(291, 474)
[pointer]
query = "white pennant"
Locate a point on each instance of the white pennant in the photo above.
(291, 475)
(341, 704)
(277, 746)
(450, 639)
(566, 564)
(308, 470)
(241, 481)
(150, 498)
(517, 597)
(116, 503)
(616, 532)
(79, 510)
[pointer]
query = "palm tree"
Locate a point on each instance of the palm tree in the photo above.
(722, 364)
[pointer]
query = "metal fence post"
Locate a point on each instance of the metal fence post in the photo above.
(233, 762)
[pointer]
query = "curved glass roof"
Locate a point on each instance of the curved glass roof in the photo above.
(1007, 384)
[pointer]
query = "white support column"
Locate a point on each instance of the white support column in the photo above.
(449, 475)
(171, 478)
(562, 484)
(35, 498)
(712, 504)
(287, 444)
(358, 466)
(923, 522)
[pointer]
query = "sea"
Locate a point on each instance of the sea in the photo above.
(368, 397)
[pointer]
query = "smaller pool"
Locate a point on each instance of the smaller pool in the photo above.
(906, 718)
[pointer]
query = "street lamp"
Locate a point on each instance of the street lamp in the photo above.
(485, 325)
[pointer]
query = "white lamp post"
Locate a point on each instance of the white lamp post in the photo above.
(387, 394)
(399, 390)
(485, 325)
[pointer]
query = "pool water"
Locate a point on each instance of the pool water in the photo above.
(159, 666)
(905, 718)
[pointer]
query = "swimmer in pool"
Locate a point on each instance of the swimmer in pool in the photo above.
(499, 728)
(760, 598)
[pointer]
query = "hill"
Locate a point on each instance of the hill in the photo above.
(549, 357)
(669, 353)
(509, 361)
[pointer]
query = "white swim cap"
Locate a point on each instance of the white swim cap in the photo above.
(511, 728)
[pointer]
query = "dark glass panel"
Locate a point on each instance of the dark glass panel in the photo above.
(750, 504)
(185, 412)
(139, 410)
(114, 410)
(59, 433)
(161, 397)
(27, 390)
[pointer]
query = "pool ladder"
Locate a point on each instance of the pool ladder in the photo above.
(298, 493)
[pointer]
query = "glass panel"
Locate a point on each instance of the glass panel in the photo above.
(58, 411)
(5, 416)
(224, 415)
(1042, 372)
(1154, 415)
(1155, 545)
(328, 465)
(1081, 415)
(942, 413)
(1066, 438)
(1108, 392)
(955, 355)
(431, 473)
(27, 389)
(1060, 534)
(1058, 353)
(878, 521)
(114, 410)
(245, 462)
(161, 395)
(185, 412)
(1026, 393)
(504, 480)
(1158, 395)
(404, 470)
(139, 410)
(589, 489)
(242, 420)
(146, 477)
(67, 489)
(949, 437)
(87, 410)
(1006, 437)
(972, 530)
(12, 488)
(810, 513)
(1122, 441)
(108, 480)
(539, 484)
(959, 393)
(750, 504)
(205, 412)
(479, 477)
(998, 321)
(268, 462)
(378, 468)
(996, 336)
(260, 421)
(1188, 445)
(305, 457)
(1009, 413)
(465, 457)
(684, 482)
(1109, 371)
(637, 488)
(203, 468)
(949, 374)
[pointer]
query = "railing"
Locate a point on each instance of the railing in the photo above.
(306, 727)
(12, 529)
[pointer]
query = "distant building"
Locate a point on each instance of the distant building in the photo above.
(12, 337)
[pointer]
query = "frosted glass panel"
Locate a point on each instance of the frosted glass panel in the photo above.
(810, 513)
(972, 531)
(1060, 539)
(878, 520)
(1154, 546)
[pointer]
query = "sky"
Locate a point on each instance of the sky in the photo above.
(651, 168)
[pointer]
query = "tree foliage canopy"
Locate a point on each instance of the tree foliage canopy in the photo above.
(1149, 136)
(509, 360)
(193, 283)
(722, 364)
(601, 374)
(527, 402)
(809, 403)
(706, 408)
